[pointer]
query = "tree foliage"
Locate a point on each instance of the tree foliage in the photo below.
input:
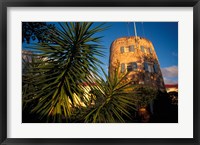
(36, 30)
(144, 95)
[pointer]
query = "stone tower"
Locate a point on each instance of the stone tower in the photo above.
(137, 56)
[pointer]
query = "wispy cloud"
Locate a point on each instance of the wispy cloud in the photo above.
(170, 74)
(171, 71)
(170, 80)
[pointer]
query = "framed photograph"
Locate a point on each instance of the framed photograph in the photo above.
(99, 72)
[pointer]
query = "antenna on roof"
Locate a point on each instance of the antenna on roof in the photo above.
(135, 29)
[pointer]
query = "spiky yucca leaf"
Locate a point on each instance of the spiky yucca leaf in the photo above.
(113, 102)
(66, 64)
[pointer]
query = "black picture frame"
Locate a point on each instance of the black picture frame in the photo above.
(98, 3)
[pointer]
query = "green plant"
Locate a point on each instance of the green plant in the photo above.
(63, 66)
(113, 100)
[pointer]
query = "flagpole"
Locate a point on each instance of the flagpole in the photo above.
(135, 29)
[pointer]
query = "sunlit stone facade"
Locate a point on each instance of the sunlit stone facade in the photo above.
(137, 56)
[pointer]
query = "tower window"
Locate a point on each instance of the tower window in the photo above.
(142, 48)
(122, 49)
(132, 66)
(129, 67)
(146, 66)
(155, 66)
(150, 68)
(122, 67)
(131, 48)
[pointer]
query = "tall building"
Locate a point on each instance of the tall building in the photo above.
(137, 56)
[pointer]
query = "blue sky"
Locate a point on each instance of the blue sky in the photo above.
(163, 35)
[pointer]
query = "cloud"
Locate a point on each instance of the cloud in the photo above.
(170, 81)
(170, 72)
